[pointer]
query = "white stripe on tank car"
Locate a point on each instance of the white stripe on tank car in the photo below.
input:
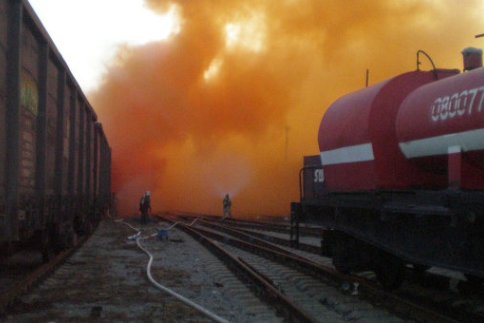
(348, 154)
(445, 144)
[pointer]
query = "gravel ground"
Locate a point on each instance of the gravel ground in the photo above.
(106, 280)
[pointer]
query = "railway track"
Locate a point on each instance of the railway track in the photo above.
(413, 302)
(110, 282)
(310, 247)
(277, 226)
(261, 284)
(23, 283)
(310, 273)
(265, 234)
(283, 290)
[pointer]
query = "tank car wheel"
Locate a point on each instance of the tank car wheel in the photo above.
(390, 272)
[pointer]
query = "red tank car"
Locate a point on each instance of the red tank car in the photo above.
(401, 178)
(440, 127)
(357, 138)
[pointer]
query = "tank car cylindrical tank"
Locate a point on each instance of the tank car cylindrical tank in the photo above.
(440, 127)
(357, 139)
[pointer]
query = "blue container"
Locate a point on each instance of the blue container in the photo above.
(163, 234)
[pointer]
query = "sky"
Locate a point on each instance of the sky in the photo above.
(203, 98)
(89, 32)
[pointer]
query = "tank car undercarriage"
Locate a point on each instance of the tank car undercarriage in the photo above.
(384, 231)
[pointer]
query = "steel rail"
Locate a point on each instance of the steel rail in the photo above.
(436, 281)
(368, 291)
(275, 227)
(264, 287)
(366, 285)
(280, 241)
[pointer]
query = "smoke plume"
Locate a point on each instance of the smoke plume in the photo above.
(232, 102)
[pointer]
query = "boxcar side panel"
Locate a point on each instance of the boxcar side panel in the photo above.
(97, 159)
(81, 150)
(73, 130)
(66, 139)
(3, 99)
(59, 145)
(29, 109)
(50, 145)
(76, 139)
(90, 150)
(52, 86)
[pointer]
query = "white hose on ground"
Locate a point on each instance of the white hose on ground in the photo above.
(181, 298)
(185, 300)
(193, 222)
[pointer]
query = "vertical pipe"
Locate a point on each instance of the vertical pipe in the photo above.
(101, 165)
(95, 173)
(13, 117)
(59, 146)
(72, 145)
(81, 155)
(88, 156)
(106, 179)
(41, 155)
(109, 169)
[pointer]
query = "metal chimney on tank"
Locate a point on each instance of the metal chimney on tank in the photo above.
(472, 58)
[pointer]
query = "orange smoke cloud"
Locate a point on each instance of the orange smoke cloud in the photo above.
(233, 102)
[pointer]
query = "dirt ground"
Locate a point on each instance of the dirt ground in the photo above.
(105, 280)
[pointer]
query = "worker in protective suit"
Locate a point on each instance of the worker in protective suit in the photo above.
(227, 203)
(145, 207)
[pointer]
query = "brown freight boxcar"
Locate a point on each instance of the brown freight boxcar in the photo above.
(55, 160)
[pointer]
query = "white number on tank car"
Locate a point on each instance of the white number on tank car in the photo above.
(458, 104)
(318, 176)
